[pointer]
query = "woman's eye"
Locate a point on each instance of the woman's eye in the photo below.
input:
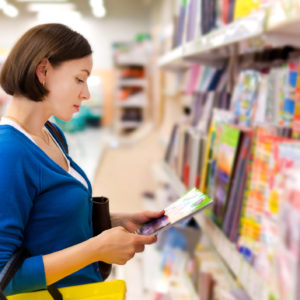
(80, 80)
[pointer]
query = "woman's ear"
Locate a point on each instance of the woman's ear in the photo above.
(41, 70)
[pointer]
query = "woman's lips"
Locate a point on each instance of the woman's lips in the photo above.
(77, 107)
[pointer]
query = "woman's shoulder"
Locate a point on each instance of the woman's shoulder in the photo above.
(12, 141)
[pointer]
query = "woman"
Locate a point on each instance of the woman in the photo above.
(45, 197)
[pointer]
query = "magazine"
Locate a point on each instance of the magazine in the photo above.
(186, 206)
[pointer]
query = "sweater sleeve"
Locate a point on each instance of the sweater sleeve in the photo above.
(18, 188)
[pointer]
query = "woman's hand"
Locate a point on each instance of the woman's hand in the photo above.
(132, 222)
(117, 245)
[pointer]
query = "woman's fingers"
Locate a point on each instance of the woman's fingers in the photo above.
(117, 245)
(148, 215)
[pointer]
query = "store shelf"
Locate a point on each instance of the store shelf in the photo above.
(132, 82)
(242, 270)
(212, 49)
(129, 124)
(131, 61)
(136, 100)
(174, 61)
(253, 284)
(129, 103)
(131, 94)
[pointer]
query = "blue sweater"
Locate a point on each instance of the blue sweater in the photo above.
(43, 208)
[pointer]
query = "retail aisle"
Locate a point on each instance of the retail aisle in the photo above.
(125, 173)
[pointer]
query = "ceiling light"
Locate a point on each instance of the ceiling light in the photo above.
(96, 3)
(2, 3)
(99, 12)
(9, 10)
(37, 7)
(65, 17)
(98, 8)
(42, 1)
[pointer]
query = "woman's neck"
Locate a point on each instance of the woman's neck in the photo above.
(28, 114)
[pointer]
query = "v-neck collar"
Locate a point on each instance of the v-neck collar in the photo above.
(30, 142)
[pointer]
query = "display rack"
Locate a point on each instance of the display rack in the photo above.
(270, 28)
(131, 95)
(213, 48)
(132, 82)
(240, 269)
(163, 174)
(129, 124)
(174, 60)
(137, 101)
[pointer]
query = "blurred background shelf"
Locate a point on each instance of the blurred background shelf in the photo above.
(132, 85)
(174, 60)
(129, 103)
(136, 100)
(132, 82)
(129, 124)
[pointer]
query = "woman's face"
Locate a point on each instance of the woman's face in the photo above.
(67, 85)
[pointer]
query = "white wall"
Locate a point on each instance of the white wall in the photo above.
(125, 18)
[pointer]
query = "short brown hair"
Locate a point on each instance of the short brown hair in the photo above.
(56, 42)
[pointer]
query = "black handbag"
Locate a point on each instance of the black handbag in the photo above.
(101, 222)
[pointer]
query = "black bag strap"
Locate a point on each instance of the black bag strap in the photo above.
(58, 135)
(54, 292)
(12, 267)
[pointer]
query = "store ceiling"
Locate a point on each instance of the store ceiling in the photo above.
(81, 6)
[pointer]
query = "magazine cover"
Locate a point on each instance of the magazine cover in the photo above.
(224, 168)
(244, 98)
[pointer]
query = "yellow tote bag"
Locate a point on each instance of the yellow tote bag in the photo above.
(109, 290)
(106, 290)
